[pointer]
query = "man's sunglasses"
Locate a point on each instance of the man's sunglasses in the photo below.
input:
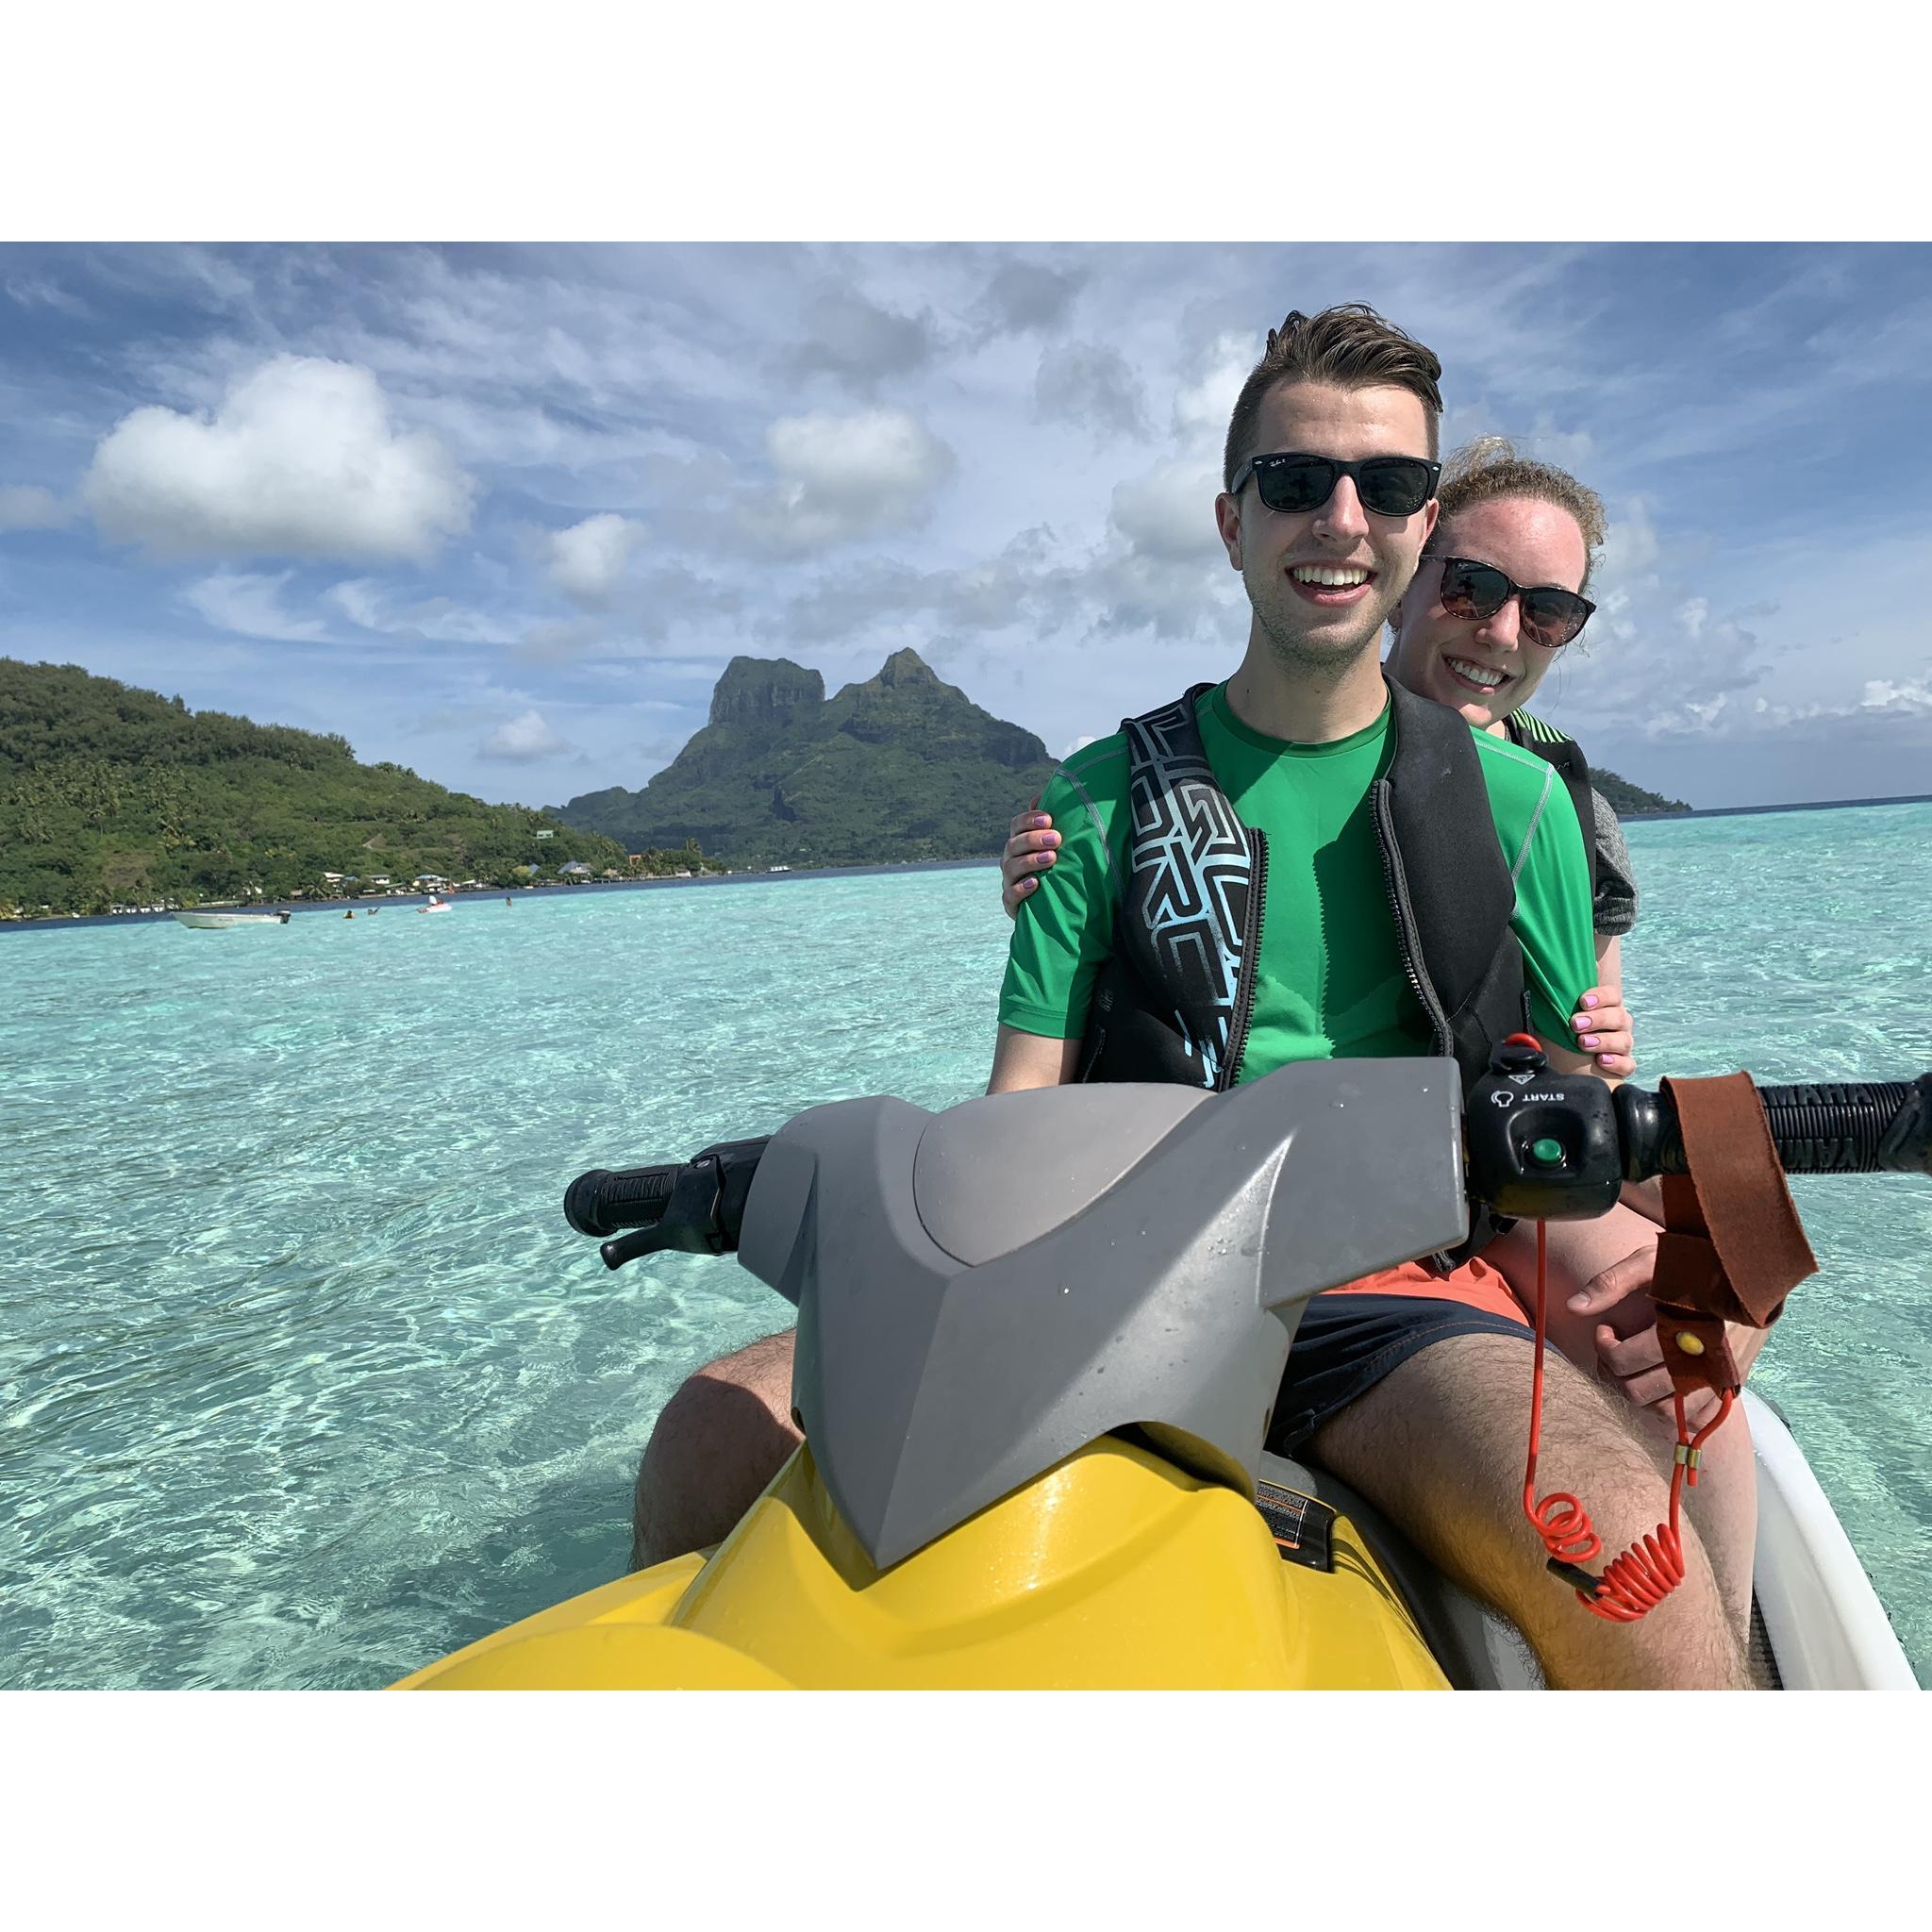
(1390, 485)
(1550, 617)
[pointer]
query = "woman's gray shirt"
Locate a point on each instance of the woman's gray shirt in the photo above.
(1615, 910)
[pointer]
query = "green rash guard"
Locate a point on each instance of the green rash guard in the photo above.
(1329, 983)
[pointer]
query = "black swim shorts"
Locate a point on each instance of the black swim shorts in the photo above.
(1347, 1342)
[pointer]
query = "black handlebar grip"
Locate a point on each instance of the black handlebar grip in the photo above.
(603, 1203)
(1868, 1126)
(1862, 1127)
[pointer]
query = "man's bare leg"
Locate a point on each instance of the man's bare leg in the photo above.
(1439, 1444)
(1724, 1506)
(718, 1442)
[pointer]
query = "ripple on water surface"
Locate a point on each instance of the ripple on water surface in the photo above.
(303, 1380)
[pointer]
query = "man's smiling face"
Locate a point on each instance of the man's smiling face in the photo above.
(1323, 581)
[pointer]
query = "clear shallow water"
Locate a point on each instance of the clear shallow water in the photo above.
(303, 1382)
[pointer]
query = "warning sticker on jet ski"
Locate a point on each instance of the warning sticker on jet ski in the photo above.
(1299, 1525)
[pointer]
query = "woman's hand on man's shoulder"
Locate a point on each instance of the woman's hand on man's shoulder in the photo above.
(1030, 851)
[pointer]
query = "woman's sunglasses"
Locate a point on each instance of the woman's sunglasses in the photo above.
(1390, 485)
(1550, 617)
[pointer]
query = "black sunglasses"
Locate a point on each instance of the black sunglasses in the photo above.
(1390, 485)
(1550, 617)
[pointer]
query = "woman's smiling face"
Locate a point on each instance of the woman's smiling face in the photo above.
(1485, 666)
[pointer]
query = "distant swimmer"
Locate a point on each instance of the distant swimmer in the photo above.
(348, 915)
(507, 900)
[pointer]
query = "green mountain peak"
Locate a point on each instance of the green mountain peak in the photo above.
(903, 766)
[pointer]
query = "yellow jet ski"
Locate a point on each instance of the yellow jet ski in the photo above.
(1040, 1334)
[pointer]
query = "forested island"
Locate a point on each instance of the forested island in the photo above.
(112, 796)
(1630, 801)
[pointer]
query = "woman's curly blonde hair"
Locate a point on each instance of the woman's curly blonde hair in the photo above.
(1490, 467)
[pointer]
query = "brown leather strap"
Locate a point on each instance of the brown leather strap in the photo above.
(1733, 1247)
(1697, 1351)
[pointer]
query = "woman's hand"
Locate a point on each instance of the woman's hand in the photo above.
(1028, 852)
(1602, 1028)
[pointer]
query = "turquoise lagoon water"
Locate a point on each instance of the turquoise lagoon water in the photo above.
(303, 1382)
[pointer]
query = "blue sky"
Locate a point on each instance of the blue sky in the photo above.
(502, 513)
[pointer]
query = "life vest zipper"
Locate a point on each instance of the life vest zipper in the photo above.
(1407, 938)
(1251, 957)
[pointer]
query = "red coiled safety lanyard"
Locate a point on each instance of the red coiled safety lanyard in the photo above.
(1636, 1582)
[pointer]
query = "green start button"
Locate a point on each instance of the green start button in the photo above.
(1547, 1152)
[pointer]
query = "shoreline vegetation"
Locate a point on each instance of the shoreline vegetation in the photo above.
(782, 874)
(115, 798)
(408, 902)
(120, 803)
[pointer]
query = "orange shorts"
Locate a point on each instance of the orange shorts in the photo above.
(1476, 1285)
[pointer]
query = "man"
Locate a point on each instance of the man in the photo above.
(1409, 1386)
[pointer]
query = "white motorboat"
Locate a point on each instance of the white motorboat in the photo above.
(219, 921)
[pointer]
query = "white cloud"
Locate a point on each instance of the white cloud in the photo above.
(1089, 385)
(1692, 716)
(526, 739)
(841, 478)
(587, 560)
(1630, 546)
(1169, 512)
(1028, 584)
(1882, 694)
(855, 339)
(301, 460)
(28, 507)
(1029, 295)
(249, 605)
(1178, 600)
(369, 607)
(1203, 406)
(32, 292)
(556, 641)
(1694, 613)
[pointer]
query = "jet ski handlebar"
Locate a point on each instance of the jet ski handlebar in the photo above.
(695, 1206)
(1536, 1144)
(1864, 1126)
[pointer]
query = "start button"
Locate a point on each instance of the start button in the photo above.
(1548, 1152)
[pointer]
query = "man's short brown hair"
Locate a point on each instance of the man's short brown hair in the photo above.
(1349, 346)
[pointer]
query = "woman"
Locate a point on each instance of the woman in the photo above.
(1446, 619)
(1497, 596)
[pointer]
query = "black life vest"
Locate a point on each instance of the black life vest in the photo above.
(1175, 999)
(1572, 767)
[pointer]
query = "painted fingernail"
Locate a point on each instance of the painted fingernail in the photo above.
(1053, 839)
(1028, 885)
(1044, 859)
(1605, 1059)
(1591, 1039)
(1589, 999)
